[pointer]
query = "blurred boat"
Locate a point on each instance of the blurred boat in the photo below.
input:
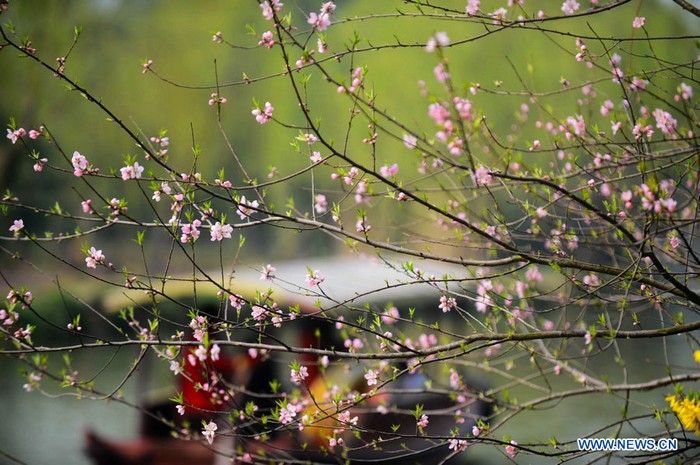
(386, 420)
(147, 451)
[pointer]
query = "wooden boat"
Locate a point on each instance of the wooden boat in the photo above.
(388, 425)
(147, 451)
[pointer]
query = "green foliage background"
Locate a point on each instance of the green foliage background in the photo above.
(118, 36)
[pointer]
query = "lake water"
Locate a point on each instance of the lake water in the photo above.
(38, 430)
(41, 430)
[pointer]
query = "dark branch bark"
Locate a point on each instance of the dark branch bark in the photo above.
(688, 7)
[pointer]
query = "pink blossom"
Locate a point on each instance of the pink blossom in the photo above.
(201, 353)
(533, 274)
(352, 344)
(298, 376)
(175, 367)
(423, 421)
(638, 22)
(328, 7)
(219, 232)
(116, 206)
(267, 40)
(362, 226)
(215, 98)
(86, 205)
(511, 450)
(310, 139)
(390, 316)
(664, 121)
(15, 135)
(244, 209)
(320, 21)
(389, 171)
(499, 16)
(345, 418)
(215, 352)
(209, 431)
(236, 301)
(94, 257)
(570, 7)
(371, 377)
(617, 75)
(24, 333)
(463, 107)
(476, 430)
(321, 204)
(131, 171)
(34, 134)
(80, 163)
(591, 280)
(409, 141)
(455, 380)
(316, 157)
(259, 313)
(441, 73)
(180, 409)
(458, 445)
(361, 193)
(352, 174)
(674, 242)
(190, 232)
(147, 66)
(606, 107)
(263, 116)
(685, 92)
(615, 125)
(33, 383)
(287, 414)
(17, 226)
(638, 84)
(482, 176)
(473, 7)
(270, 7)
(313, 278)
(39, 165)
(217, 37)
(577, 124)
(438, 113)
(268, 272)
(447, 303)
(670, 204)
(438, 40)
(332, 442)
(638, 131)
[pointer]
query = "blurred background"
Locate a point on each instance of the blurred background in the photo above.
(118, 36)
